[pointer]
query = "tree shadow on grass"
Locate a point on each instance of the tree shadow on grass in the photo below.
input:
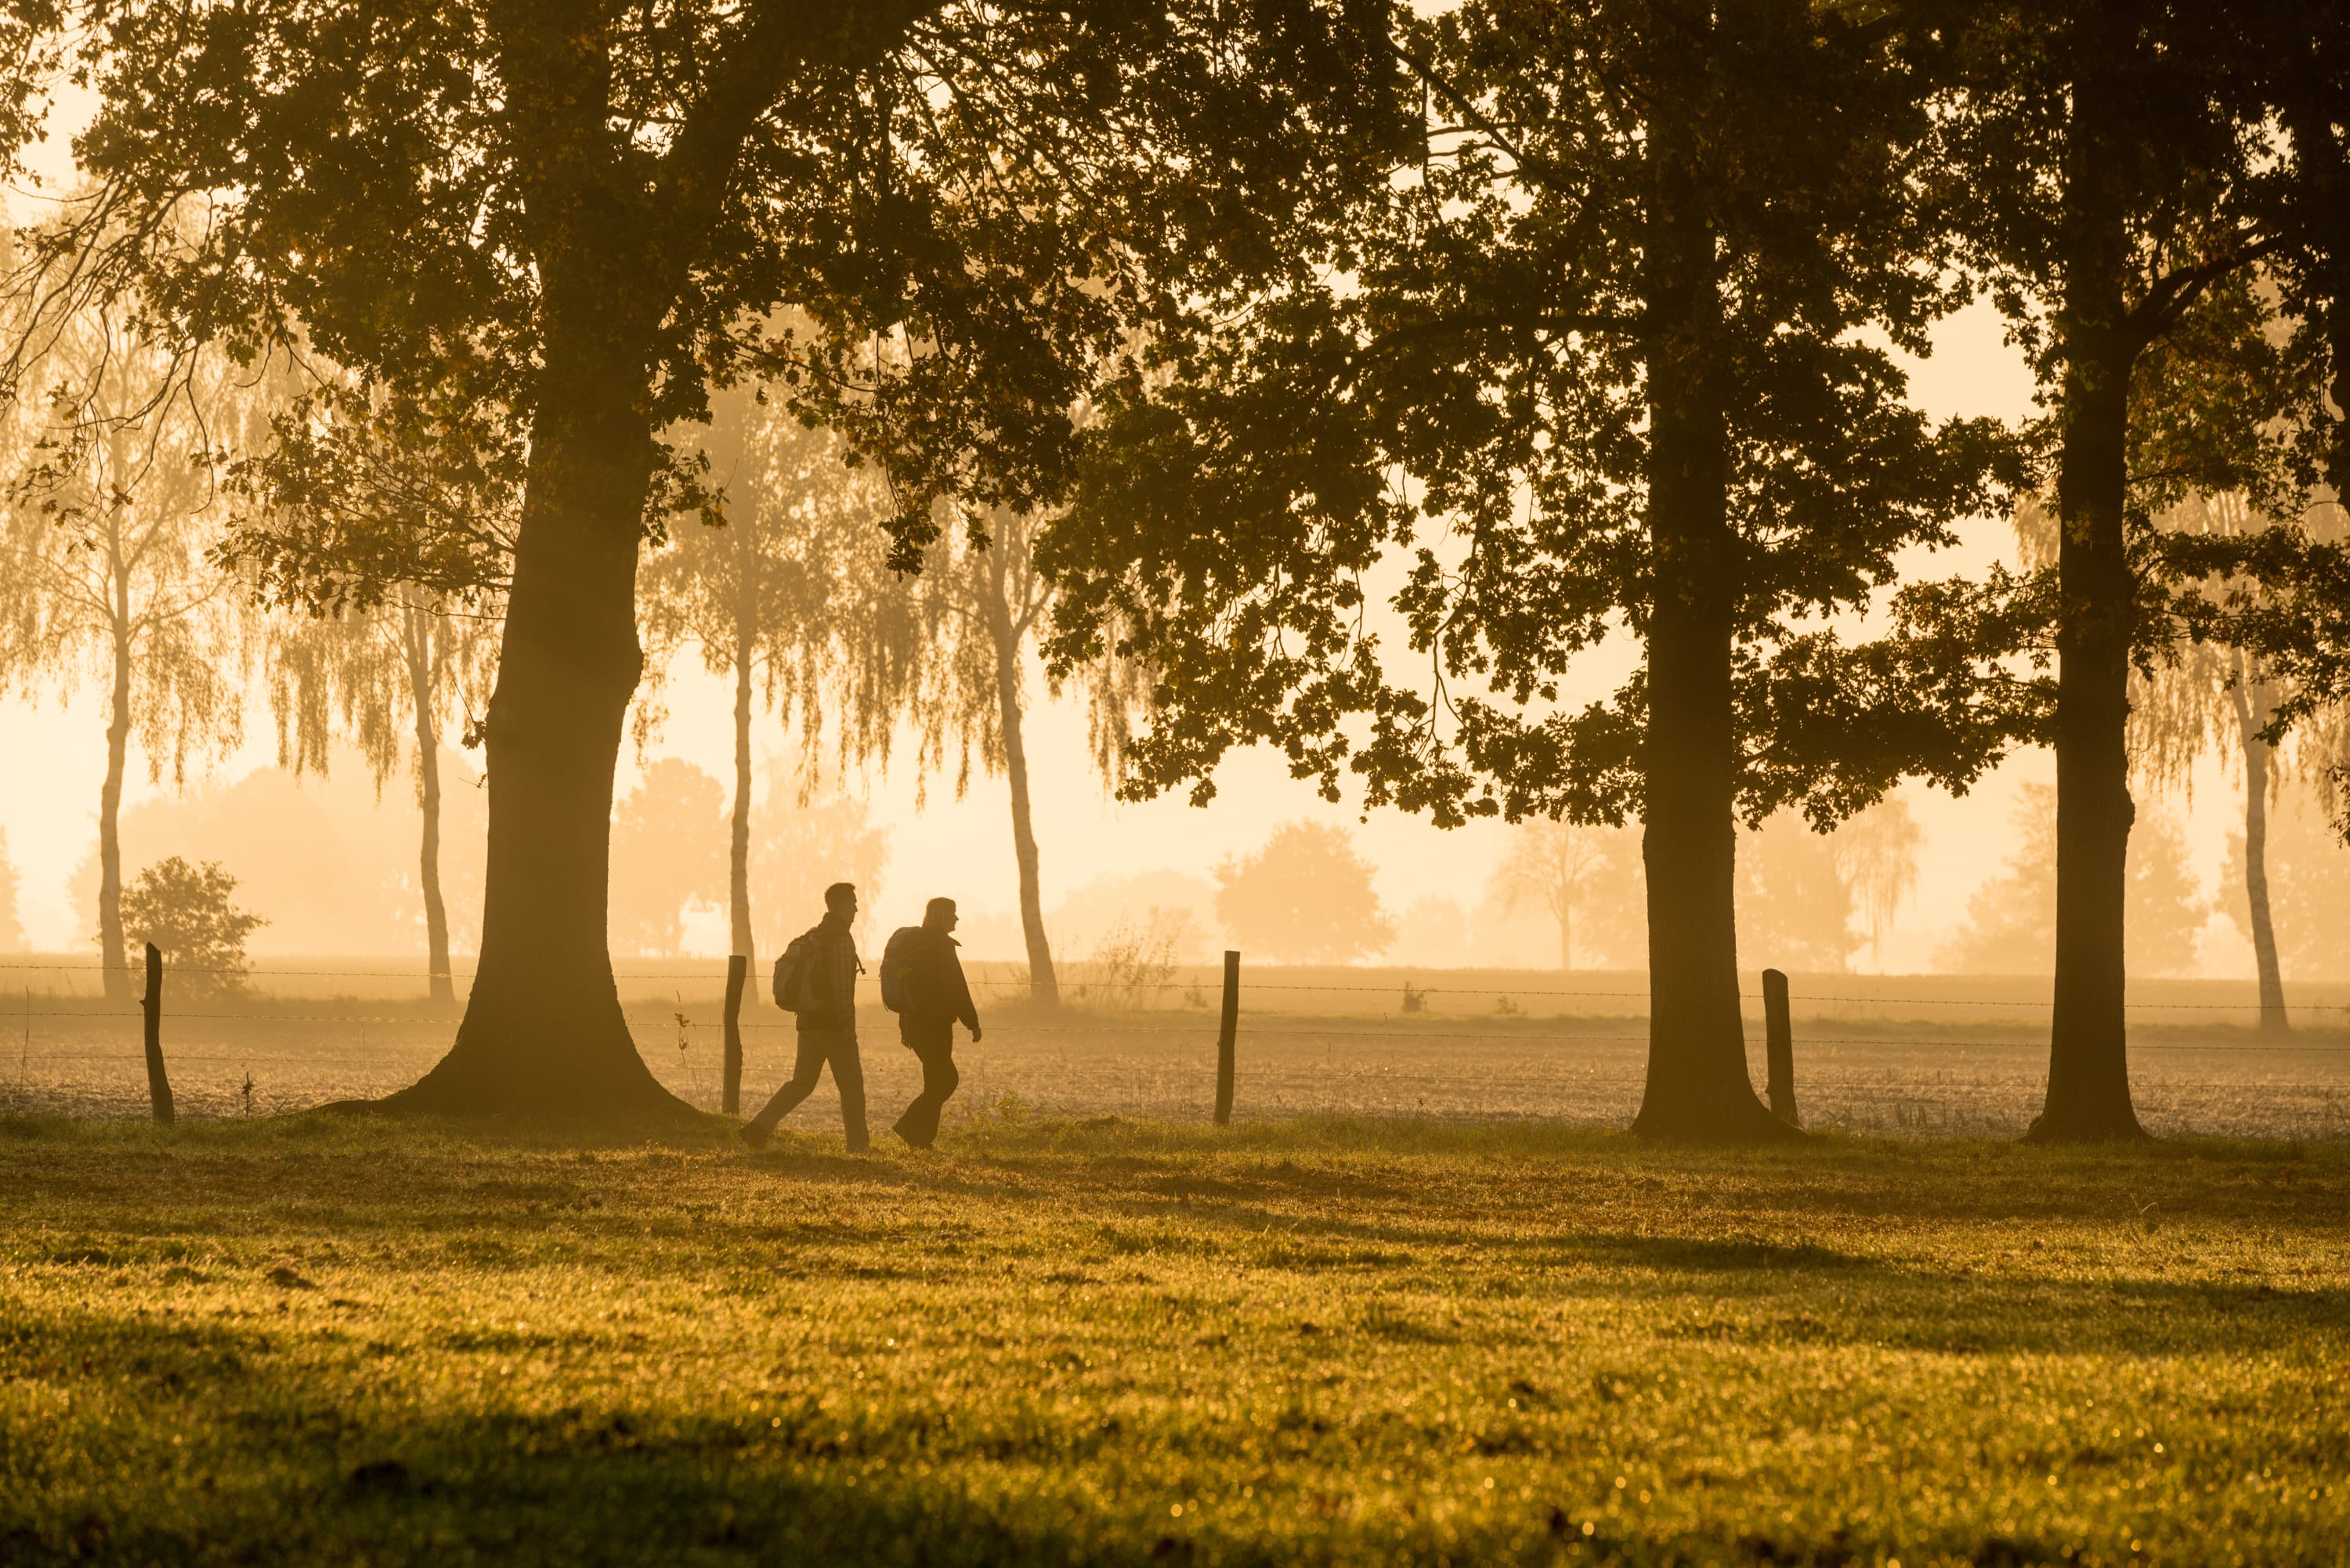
(289, 1479)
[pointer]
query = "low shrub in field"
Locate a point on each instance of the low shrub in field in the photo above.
(190, 912)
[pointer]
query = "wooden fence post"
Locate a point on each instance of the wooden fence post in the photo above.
(738, 970)
(1224, 1036)
(159, 1086)
(1779, 1035)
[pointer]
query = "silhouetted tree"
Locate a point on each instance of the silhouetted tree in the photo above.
(665, 838)
(1304, 897)
(987, 601)
(389, 678)
(551, 227)
(2207, 694)
(2304, 870)
(105, 571)
(2221, 399)
(1592, 361)
(1559, 868)
(12, 925)
(191, 913)
(785, 592)
(2011, 926)
(2120, 174)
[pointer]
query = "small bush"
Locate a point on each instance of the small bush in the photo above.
(187, 911)
(1133, 963)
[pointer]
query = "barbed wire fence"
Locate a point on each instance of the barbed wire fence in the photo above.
(1302, 1046)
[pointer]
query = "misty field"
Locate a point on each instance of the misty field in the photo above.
(1904, 1055)
(1342, 1340)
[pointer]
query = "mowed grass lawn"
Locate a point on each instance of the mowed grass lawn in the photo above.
(325, 1339)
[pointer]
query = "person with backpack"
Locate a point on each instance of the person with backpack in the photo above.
(922, 983)
(817, 980)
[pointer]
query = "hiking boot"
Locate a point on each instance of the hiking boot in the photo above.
(754, 1136)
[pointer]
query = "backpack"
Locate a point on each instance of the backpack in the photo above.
(792, 973)
(900, 962)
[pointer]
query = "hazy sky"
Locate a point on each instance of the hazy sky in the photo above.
(55, 755)
(52, 760)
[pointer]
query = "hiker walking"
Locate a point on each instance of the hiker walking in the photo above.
(922, 983)
(817, 980)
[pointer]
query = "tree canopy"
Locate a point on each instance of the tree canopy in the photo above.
(533, 234)
(1590, 363)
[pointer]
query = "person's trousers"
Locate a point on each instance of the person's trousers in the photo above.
(817, 1047)
(932, 1044)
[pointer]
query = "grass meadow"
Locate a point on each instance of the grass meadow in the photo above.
(1306, 1339)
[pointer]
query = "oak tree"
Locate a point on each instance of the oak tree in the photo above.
(561, 221)
(1591, 362)
(2117, 164)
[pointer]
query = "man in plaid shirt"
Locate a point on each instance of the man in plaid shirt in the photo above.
(827, 1026)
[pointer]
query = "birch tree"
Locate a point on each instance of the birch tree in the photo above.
(2213, 695)
(785, 593)
(991, 602)
(105, 576)
(389, 678)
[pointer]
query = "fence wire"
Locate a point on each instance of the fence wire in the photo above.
(1862, 1062)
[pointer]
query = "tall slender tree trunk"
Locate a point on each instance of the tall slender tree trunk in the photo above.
(1043, 985)
(2249, 719)
(1697, 1086)
(2088, 1057)
(113, 951)
(995, 609)
(417, 636)
(543, 1030)
(738, 860)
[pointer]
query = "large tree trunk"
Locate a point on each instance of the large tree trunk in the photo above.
(543, 1030)
(416, 634)
(111, 949)
(2249, 719)
(609, 252)
(1697, 1086)
(2088, 1059)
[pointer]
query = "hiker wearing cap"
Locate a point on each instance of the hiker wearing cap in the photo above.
(922, 981)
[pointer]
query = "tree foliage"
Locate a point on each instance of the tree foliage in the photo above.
(1305, 896)
(2011, 924)
(1453, 386)
(1563, 870)
(108, 573)
(191, 913)
(540, 233)
(12, 925)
